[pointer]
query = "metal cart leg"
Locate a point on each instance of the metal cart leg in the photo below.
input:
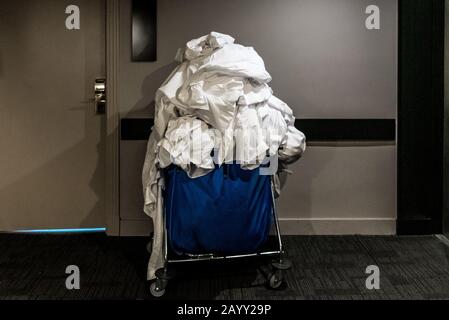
(275, 279)
(163, 275)
(158, 287)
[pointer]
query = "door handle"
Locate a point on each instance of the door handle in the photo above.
(100, 95)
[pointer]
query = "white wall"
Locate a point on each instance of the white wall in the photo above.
(325, 64)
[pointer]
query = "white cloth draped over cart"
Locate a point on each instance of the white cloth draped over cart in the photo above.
(215, 107)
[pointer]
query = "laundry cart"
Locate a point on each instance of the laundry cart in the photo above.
(226, 214)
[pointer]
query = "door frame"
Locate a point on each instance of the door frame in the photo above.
(446, 121)
(422, 142)
(112, 189)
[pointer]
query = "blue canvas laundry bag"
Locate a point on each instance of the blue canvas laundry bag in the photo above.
(228, 211)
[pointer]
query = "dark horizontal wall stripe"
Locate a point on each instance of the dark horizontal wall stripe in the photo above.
(135, 129)
(348, 129)
(314, 129)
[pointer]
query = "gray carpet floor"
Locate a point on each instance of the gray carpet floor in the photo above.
(324, 267)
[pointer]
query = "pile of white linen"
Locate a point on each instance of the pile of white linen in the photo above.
(215, 107)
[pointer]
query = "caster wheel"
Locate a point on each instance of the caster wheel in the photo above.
(275, 279)
(156, 289)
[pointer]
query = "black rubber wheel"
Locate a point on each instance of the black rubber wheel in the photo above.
(275, 279)
(157, 289)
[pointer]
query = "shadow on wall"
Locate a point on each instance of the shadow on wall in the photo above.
(304, 174)
(150, 85)
(300, 198)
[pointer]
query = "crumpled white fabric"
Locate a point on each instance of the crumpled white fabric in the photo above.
(217, 98)
(189, 144)
(203, 45)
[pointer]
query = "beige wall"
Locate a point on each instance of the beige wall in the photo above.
(325, 64)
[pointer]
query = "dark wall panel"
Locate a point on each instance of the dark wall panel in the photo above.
(446, 126)
(314, 129)
(144, 33)
(420, 116)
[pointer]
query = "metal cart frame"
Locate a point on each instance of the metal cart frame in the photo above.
(275, 279)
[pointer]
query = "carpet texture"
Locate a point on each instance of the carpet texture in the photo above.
(324, 267)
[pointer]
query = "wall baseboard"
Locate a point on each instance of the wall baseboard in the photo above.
(337, 226)
(295, 226)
